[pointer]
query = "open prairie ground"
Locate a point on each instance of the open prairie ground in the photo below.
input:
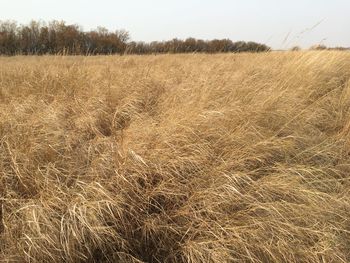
(175, 158)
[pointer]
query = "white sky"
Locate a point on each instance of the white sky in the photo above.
(278, 23)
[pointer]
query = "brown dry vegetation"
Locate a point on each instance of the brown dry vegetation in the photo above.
(175, 158)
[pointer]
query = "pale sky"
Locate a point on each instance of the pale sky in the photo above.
(277, 23)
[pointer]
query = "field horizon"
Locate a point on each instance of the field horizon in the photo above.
(175, 158)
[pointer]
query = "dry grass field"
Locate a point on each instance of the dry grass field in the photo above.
(175, 158)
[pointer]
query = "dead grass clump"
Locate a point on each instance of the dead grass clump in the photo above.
(175, 158)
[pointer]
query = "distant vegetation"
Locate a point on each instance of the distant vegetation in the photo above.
(57, 37)
(191, 45)
(323, 47)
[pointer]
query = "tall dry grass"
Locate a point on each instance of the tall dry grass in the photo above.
(175, 158)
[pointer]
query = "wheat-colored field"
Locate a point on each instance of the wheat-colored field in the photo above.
(175, 158)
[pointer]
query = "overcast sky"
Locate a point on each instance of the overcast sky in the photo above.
(278, 23)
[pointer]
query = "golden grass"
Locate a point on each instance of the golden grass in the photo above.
(175, 158)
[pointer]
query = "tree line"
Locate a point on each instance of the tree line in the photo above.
(191, 45)
(58, 37)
